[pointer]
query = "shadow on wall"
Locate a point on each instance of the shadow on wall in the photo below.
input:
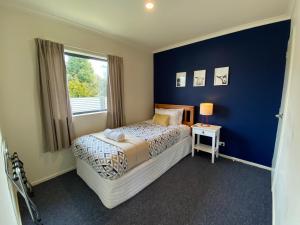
(221, 111)
(234, 143)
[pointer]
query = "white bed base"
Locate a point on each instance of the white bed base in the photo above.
(115, 192)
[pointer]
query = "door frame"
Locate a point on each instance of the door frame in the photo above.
(278, 149)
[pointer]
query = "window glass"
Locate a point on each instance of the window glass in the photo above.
(87, 83)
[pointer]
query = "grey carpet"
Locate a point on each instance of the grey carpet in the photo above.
(193, 192)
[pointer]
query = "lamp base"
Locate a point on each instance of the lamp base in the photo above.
(205, 124)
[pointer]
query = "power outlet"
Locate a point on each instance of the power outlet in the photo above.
(222, 143)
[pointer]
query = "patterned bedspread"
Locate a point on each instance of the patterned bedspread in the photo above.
(158, 137)
(110, 161)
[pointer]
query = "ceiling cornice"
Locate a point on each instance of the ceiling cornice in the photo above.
(283, 17)
(226, 31)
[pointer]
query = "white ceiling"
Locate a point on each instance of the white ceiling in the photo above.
(170, 22)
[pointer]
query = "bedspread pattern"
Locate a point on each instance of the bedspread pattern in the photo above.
(110, 161)
(158, 137)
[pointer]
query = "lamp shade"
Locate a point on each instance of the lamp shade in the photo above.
(206, 109)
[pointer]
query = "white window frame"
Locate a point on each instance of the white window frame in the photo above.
(86, 56)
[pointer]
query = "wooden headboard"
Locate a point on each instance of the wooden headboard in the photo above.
(188, 112)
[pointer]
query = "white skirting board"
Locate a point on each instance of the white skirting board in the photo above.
(36, 182)
(246, 162)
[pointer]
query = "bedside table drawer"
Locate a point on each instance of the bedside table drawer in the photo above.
(204, 132)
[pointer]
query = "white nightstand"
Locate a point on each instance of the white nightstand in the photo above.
(209, 131)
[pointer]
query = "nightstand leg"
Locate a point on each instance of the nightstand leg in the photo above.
(213, 150)
(218, 145)
(193, 144)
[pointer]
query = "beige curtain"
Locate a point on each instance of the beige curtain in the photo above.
(56, 110)
(115, 92)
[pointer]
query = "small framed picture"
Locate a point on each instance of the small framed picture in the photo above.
(199, 78)
(221, 76)
(180, 79)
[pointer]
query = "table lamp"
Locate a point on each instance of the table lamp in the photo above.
(206, 109)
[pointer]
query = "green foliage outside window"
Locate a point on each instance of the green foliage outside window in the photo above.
(82, 80)
(80, 89)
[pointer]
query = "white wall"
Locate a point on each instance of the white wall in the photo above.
(19, 95)
(286, 182)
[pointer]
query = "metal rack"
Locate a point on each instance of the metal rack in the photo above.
(16, 175)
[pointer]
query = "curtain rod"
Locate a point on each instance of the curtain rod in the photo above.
(69, 47)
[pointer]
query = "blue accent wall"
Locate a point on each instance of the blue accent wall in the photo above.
(245, 108)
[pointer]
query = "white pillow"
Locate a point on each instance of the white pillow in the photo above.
(180, 115)
(175, 115)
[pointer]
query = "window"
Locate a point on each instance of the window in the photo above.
(87, 81)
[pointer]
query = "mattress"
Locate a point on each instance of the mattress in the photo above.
(115, 192)
(112, 161)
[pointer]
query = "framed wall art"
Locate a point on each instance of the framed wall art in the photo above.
(199, 78)
(181, 79)
(221, 76)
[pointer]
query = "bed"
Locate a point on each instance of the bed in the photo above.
(102, 164)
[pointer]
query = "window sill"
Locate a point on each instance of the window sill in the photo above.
(89, 114)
